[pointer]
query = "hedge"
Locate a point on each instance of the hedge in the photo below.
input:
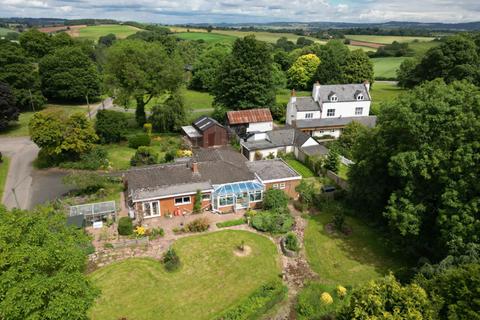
(231, 223)
(258, 303)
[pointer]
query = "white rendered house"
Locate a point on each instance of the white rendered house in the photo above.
(330, 109)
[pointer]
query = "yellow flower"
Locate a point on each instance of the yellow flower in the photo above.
(326, 298)
(341, 291)
(184, 153)
(140, 231)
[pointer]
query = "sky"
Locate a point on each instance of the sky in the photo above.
(247, 11)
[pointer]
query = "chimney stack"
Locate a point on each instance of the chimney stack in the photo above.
(195, 167)
(367, 85)
(316, 91)
(293, 96)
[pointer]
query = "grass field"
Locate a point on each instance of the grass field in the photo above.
(3, 174)
(421, 47)
(94, 32)
(386, 68)
(4, 31)
(211, 279)
(347, 260)
(303, 170)
(383, 92)
(386, 39)
(207, 37)
(20, 128)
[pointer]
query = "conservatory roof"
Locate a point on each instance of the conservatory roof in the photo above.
(238, 187)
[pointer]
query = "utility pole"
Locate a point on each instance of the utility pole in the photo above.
(31, 100)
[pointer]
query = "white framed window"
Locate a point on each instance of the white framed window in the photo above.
(256, 196)
(281, 185)
(225, 201)
(330, 112)
(332, 130)
(151, 209)
(358, 111)
(320, 131)
(205, 196)
(275, 186)
(360, 97)
(182, 200)
(309, 115)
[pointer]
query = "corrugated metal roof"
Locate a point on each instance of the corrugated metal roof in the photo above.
(249, 116)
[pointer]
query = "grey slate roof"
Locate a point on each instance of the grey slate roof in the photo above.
(278, 138)
(306, 104)
(344, 92)
(272, 170)
(369, 121)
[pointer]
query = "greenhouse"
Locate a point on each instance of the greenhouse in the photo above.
(87, 214)
(239, 195)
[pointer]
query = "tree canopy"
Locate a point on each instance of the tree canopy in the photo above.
(42, 267)
(37, 44)
(8, 109)
(21, 74)
(300, 74)
(205, 68)
(169, 115)
(68, 74)
(417, 172)
(142, 70)
(245, 79)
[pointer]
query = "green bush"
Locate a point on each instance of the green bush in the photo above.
(171, 260)
(155, 233)
(198, 225)
(258, 303)
(197, 203)
(291, 242)
(86, 182)
(309, 305)
(139, 140)
(111, 126)
(93, 160)
(170, 156)
(275, 199)
(273, 221)
(306, 191)
(144, 156)
(125, 226)
(231, 223)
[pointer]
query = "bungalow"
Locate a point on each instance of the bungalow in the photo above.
(206, 132)
(268, 144)
(253, 120)
(225, 180)
(330, 108)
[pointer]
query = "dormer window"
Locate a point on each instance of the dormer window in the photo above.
(333, 98)
(360, 97)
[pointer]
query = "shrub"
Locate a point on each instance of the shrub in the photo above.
(93, 160)
(139, 231)
(291, 242)
(144, 156)
(273, 221)
(306, 192)
(197, 204)
(326, 298)
(332, 162)
(125, 226)
(139, 140)
(111, 126)
(258, 303)
(275, 199)
(231, 223)
(171, 260)
(341, 291)
(339, 221)
(155, 233)
(86, 182)
(147, 127)
(170, 156)
(309, 307)
(198, 225)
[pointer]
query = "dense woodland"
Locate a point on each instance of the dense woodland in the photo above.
(415, 176)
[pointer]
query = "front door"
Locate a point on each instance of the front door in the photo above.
(211, 139)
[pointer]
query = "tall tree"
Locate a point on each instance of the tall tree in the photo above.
(142, 70)
(245, 78)
(69, 75)
(300, 74)
(358, 67)
(418, 171)
(169, 115)
(332, 56)
(8, 109)
(206, 67)
(21, 74)
(42, 269)
(37, 44)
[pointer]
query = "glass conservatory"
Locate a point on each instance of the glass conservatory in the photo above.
(238, 195)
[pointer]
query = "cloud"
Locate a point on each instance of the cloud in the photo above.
(209, 11)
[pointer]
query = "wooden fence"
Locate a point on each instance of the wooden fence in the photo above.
(342, 183)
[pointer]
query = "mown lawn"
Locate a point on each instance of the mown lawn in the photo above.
(211, 279)
(386, 68)
(3, 175)
(386, 39)
(94, 32)
(4, 31)
(303, 170)
(20, 127)
(383, 92)
(347, 260)
(205, 36)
